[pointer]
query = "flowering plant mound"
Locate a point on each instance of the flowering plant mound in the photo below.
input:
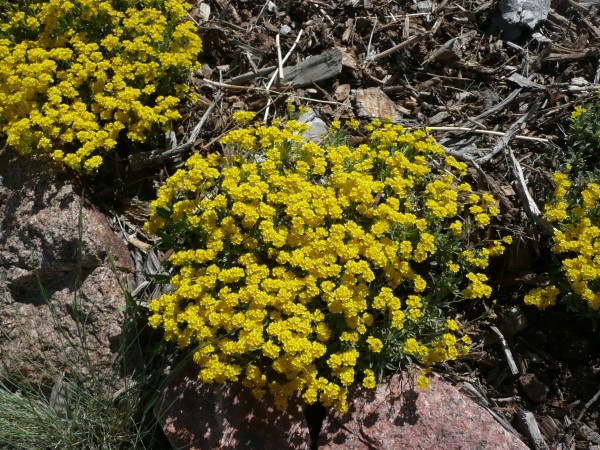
(575, 210)
(75, 75)
(306, 268)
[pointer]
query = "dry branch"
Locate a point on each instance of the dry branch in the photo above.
(531, 208)
(512, 132)
(408, 43)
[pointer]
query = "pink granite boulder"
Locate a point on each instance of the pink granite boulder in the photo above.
(194, 415)
(397, 415)
(61, 304)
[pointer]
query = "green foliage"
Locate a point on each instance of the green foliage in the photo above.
(78, 76)
(584, 139)
(575, 212)
(300, 267)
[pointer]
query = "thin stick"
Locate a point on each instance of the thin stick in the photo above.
(408, 43)
(279, 61)
(531, 209)
(587, 405)
(239, 87)
(509, 358)
(272, 80)
(371, 38)
(512, 131)
(254, 88)
(329, 19)
(494, 133)
(196, 131)
(252, 25)
(224, 10)
(514, 94)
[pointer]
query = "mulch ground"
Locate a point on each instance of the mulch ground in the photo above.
(496, 95)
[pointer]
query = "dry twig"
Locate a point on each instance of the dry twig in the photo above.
(512, 131)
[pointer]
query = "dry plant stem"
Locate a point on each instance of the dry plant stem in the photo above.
(587, 406)
(509, 358)
(279, 60)
(408, 43)
(199, 125)
(513, 95)
(491, 132)
(531, 208)
(141, 160)
(371, 38)
(239, 87)
(258, 17)
(512, 131)
(281, 90)
(224, 10)
(272, 80)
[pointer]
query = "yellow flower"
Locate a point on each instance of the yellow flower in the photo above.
(41, 79)
(452, 325)
(542, 297)
(243, 117)
(369, 379)
(579, 110)
(411, 346)
(422, 382)
(375, 345)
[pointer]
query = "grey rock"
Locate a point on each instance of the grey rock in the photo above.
(524, 12)
(318, 128)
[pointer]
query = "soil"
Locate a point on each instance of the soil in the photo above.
(486, 89)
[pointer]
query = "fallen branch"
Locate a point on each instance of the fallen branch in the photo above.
(491, 132)
(408, 43)
(509, 358)
(281, 89)
(531, 208)
(587, 406)
(471, 391)
(513, 95)
(530, 427)
(512, 131)
(239, 87)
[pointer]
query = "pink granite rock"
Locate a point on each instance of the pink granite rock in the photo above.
(53, 240)
(397, 415)
(194, 415)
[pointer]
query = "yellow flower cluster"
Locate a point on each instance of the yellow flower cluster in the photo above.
(307, 268)
(577, 242)
(77, 75)
(578, 111)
